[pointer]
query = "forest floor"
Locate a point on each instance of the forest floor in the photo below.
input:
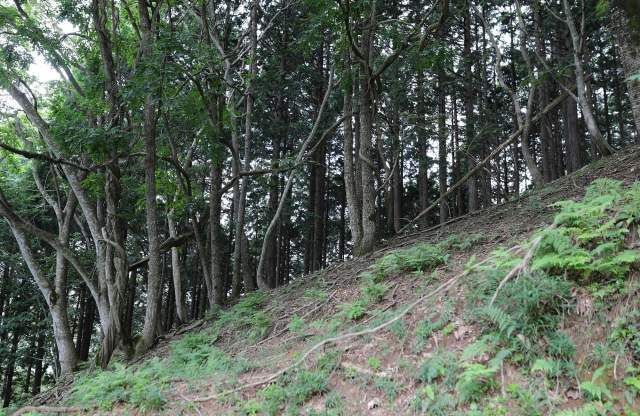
(398, 332)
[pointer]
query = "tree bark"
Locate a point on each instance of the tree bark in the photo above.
(442, 148)
(583, 99)
(217, 250)
(240, 275)
(350, 173)
(629, 47)
(7, 386)
(154, 279)
(263, 284)
(469, 128)
(176, 272)
(366, 155)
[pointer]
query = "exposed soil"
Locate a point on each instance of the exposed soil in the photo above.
(503, 225)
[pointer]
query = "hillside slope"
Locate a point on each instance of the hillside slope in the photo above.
(411, 328)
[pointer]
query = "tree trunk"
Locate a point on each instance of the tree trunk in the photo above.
(240, 275)
(39, 364)
(154, 279)
(367, 115)
(56, 302)
(442, 148)
(583, 99)
(260, 274)
(176, 272)
(629, 47)
(469, 129)
(7, 385)
(217, 250)
(355, 213)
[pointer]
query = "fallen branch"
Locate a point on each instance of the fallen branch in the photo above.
(512, 138)
(48, 409)
(523, 265)
(361, 370)
(270, 378)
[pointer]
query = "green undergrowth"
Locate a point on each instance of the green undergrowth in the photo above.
(418, 260)
(532, 329)
(194, 358)
(292, 390)
(591, 248)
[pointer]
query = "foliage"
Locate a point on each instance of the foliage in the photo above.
(293, 389)
(474, 381)
(589, 241)
(247, 313)
(419, 258)
(354, 311)
(626, 333)
(387, 386)
(458, 242)
(296, 324)
(596, 388)
(440, 366)
(140, 388)
(588, 409)
(193, 357)
(374, 363)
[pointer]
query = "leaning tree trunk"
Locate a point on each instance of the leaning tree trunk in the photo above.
(261, 277)
(55, 302)
(584, 100)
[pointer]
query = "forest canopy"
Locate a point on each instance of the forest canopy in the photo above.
(160, 159)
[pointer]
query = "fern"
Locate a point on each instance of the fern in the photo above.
(474, 381)
(588, 409)
(502, 320)
(596, 388)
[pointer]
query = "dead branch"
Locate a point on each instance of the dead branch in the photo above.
(48, 409)
(512, 138)
(523, 265)
(333, 340)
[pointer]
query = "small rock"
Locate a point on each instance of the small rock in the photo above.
(374, 403)
(572, 394)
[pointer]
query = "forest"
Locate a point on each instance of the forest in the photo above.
(160, 160)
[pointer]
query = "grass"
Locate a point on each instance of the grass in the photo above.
(294, 389)
(527, 329)
(194, 358)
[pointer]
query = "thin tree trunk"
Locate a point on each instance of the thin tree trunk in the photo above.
(260, 275)
(217, 250)
(39, 364)
(442, 148)
(9, 371)
(469, 129)
(583, 98)
(629, 47)
(176, 272)
(355, 212)
(154, 279)
(239, 275)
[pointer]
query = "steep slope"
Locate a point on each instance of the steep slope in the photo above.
(412, 328)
